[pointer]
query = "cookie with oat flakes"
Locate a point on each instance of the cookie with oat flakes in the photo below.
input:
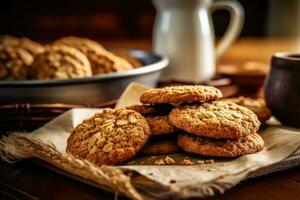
(28, 45)
(215, 119)
(220, 147)
(127, 56)
(258, 106)
(60, 62)
(181, 94)
(109, 137)
(102, 61)
(14, 63)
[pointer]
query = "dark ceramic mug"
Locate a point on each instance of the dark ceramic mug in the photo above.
(282, 88)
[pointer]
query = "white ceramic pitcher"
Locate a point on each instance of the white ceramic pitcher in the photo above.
(183, 31)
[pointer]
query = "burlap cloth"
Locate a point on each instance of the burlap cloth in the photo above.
(147, 181)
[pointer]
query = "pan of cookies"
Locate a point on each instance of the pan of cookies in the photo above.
(71, 70)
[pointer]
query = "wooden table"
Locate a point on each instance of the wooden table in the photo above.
(27, 180)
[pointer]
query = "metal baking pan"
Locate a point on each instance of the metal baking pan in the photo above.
(84, 91)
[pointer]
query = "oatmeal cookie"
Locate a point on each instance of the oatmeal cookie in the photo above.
(160, 125)
(124, 54)
(220, 147)
(181, 94)
(215, 119)
(109, 137)
(102, 61)
(14, 63)
(159, 146)
(60, 62)
(82, 44)
(28, 45)
(258, 106)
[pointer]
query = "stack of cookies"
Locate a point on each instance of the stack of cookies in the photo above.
(163, 133)
(190, 118)
(68, 57)
(206, 125)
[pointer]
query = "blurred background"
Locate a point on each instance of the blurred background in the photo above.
(49, 19)
(270, 26)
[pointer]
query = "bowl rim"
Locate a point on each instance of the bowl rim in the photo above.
(287, 55)
(145, 69)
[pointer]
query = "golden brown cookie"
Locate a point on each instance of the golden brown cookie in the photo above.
(160, 146)
(181, 94)
(109, 137)
(14, 63)
(258, 106)
(216, 119)
(30, 46)
(102, 61)
(160, 125)
(124, 54)
(83, 44)
(220, 147)
(60, 62)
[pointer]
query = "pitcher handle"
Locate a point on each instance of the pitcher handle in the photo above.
(235, 25)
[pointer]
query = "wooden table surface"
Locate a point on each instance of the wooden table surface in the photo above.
(27, 180)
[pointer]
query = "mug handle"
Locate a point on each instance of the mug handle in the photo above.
(235, 26)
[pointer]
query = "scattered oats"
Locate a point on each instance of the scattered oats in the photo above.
(153, 156)
(150, 174)
(165, 161)
(186, 162)
(159, 162)
(169, 160)
(209, 161)
(222, 164)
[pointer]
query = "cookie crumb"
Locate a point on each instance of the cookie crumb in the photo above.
(165, 161)
(159, 162)
(169, 161)
(211, 170)
(222, 164)
(186, 162)
(209, 161)
(172, 181)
